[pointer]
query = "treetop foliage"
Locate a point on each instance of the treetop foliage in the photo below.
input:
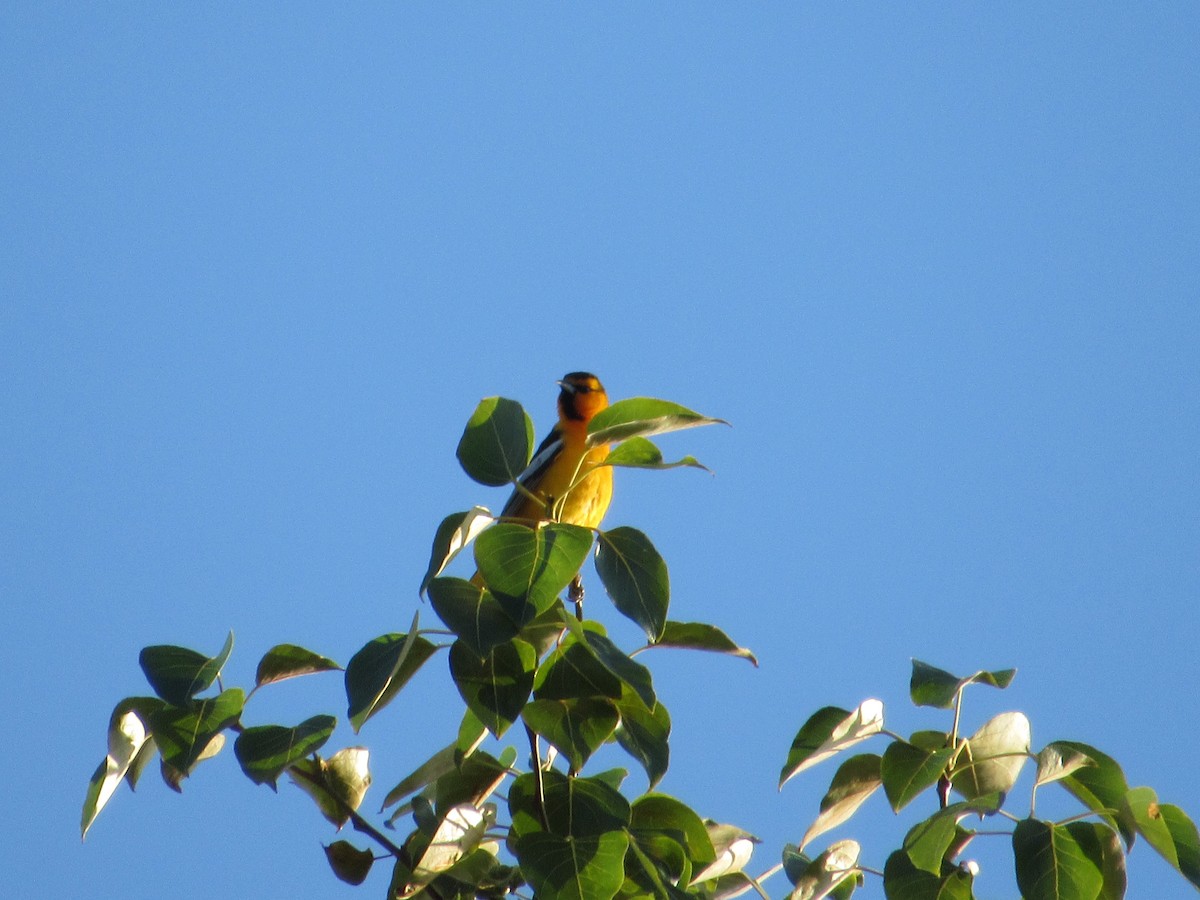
(551, 687)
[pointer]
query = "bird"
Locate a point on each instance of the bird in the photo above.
(565, 482)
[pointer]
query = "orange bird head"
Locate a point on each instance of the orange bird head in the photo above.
(581, 397)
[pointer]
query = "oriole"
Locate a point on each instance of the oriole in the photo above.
(563, 459)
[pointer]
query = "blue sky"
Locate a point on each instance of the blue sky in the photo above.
(938, 267)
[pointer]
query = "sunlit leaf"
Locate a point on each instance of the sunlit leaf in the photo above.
(458, 833)
(826, 872)
(640, 453)
(642, 417)
(127, 734)
(829, 731)
(1056, 761)
(992, 757)
(348, 776)
(337, 784)
(1168, 830)
(855, 780)
(732, 849)
(453, 535)
(497, 443)
(473, 779)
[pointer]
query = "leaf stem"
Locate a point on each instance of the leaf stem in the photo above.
(359, 823)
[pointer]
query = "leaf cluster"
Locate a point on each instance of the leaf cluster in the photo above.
(499, 810)
(1081, 857)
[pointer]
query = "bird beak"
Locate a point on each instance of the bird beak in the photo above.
(566, 386)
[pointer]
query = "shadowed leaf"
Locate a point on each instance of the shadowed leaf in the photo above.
(497, 443)
(289, 661)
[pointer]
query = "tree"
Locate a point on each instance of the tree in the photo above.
(550, 681)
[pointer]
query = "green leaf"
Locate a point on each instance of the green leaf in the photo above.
(444, 761)
(378, 671)
(177, 674)
(931, 843)
(654, 864)
(931, 686)
(527, 568)
(831, 870)
(1099, 842)
(337, 784)
(928, 841)
(640, 453)
(829, 731)
(1059, 862)
(577, 727)
(571, 841)
(438, 765)
(182, 735)
(573, 670)
(473, 779)
(991, 759)
(471, 613)
(349, 864)
(289, 661)
(128, 735)
(459, 832)
(264, 751)
(855, 780)
(497, 443)
(1168, 830)
(582, 868)
(573, 807)
(641, 417)
(495, 687)
(545, 630)
(664, 814)
(455, 533)
(621, 665)
(732, 848)
(635, 577)
(1056, 761)
(904, 881)
(908, 770)
(1101, 787)
(643, 733)
(701, 636)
